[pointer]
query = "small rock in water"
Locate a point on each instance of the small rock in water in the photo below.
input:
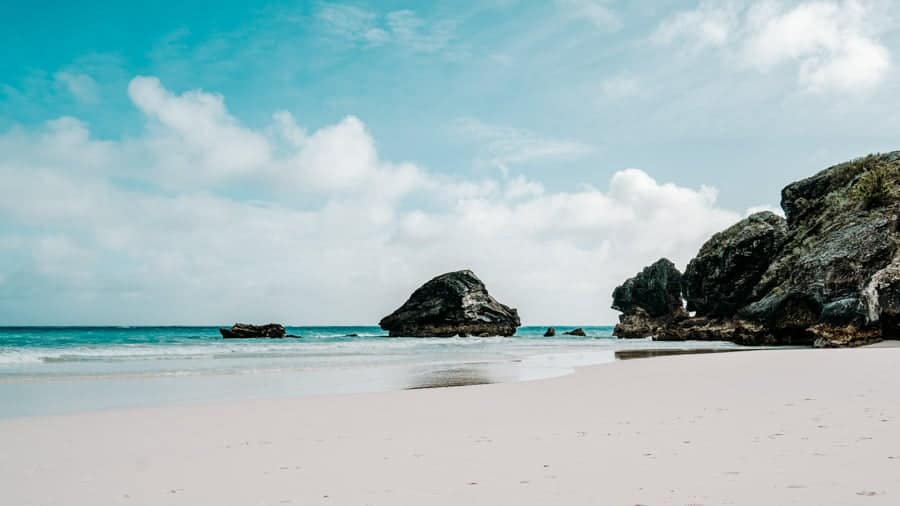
(247, 331)
(577, 332)
(550, 332)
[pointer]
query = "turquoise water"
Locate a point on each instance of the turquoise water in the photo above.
(48, 370)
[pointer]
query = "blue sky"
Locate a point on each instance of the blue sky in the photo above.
(555, 147)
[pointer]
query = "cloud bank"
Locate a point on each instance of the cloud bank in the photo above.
(201, 219)
(833, 45)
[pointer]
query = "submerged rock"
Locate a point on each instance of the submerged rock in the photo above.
(579, 332)
(453, 304)
(247, 331)
(551, 332)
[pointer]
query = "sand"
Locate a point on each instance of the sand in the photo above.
(806, 427)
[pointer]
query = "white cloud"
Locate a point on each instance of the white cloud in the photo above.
(193, 141)
(764, 207)
(710, 25)
(503, 146)
(833, 45)
(353, 23)
(194, 133)
(81, 86)
(620, 87)
(335, 235)
(340, 158)
(412, 32)
(831, 42)
(402, 27)
(594, 11)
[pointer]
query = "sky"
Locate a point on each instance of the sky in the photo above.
(315, 162)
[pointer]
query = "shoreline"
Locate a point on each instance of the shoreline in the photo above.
(772, 427)
(22, 396)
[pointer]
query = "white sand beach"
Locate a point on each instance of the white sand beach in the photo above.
(805, 427)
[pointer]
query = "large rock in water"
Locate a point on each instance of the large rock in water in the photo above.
(648, 301)
(828, 276)
(456, 303)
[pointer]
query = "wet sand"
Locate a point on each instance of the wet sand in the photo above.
(635, 354)
(805, 427)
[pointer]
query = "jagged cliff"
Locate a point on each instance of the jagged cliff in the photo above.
(828, 274)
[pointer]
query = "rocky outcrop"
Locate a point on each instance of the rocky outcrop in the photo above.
(721, 278)
(649, 301)
(551, 332)
(828, 275)
(706, 329)
(655, 290)
(639, 325)
(247, 331)
(579, 332)
(834, 280)
(830, 336)
(453, 304)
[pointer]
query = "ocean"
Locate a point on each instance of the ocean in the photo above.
(56, 370)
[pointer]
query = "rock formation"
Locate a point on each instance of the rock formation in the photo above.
(551, 332)
(834, 280)
(828, 275)
(648, 301)
(579, 332)
(247, 331)
(452, 304)
(719, 280)
(656, 290)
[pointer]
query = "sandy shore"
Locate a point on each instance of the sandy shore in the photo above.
(758, 428)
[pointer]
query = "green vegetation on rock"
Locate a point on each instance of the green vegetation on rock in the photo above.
(878, 182)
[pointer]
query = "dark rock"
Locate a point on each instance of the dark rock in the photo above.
(452, 304)
(247, 331)
(829, 276)
(649, 301)
(843, 312)
(656, 290)
(550, 332)
(880, 300)
(838, 265)
(705, 329)
(831, 336)
(351, 335)
(721, 278)
(638, 325)
(576, 332)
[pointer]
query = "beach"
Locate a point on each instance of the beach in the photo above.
(759, 427)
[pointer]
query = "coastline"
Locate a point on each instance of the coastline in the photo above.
(770, 427)
(79, 370)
